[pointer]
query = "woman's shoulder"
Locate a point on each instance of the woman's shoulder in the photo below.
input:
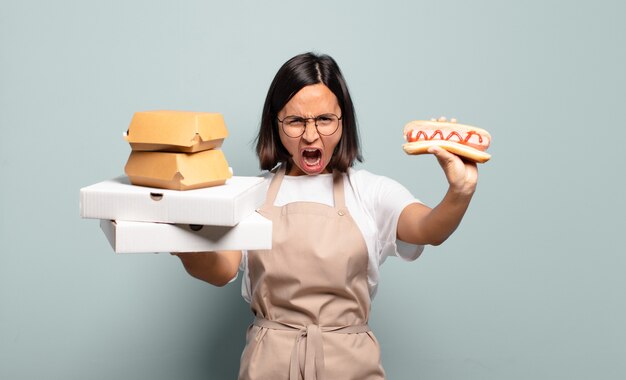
(377, 189)
(360, 174)
(363, 177)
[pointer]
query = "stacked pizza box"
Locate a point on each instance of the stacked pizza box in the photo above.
(179, 194)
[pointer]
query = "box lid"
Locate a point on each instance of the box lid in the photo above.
(224, 205)
(182, 131)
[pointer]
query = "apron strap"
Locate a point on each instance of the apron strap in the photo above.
(274, 186)
(314, 366)
(338, 191)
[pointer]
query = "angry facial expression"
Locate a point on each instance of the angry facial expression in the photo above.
(311, 152)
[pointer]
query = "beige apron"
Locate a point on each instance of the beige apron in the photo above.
(310, 295)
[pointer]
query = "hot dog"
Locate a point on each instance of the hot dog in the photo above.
(463, 140)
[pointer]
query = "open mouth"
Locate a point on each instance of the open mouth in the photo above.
(312, 157)
(312, 160)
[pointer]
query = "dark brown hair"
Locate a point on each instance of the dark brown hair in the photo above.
(300, 71)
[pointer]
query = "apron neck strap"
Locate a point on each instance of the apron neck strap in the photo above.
(274, 186)
(338, 193)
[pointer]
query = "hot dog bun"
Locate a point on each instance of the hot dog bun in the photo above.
(463, 140)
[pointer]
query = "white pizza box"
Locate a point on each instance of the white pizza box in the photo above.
(224, 205)
(253, 232)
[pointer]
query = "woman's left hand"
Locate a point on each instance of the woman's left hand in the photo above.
(462, 175)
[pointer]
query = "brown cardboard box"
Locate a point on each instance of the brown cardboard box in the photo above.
(176, 131)
(178, 171)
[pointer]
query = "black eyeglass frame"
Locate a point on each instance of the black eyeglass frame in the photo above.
(306, 120)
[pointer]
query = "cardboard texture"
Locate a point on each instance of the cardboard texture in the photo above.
(176, 131)
(226, 205)
(178, 171)
(253, 232)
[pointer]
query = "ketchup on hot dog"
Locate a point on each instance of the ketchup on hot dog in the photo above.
(463, 140)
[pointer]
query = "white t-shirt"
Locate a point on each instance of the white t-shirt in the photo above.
(375, 203)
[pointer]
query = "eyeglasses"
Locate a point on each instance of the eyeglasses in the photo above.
(326, 124)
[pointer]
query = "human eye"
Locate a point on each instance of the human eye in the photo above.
(325, 120)
(294, 121)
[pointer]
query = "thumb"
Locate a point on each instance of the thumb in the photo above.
(443, 156)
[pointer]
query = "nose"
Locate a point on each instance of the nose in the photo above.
(310, 130)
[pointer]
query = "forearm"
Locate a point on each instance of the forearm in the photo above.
(216, 268)
(444, 219)
(419, 224)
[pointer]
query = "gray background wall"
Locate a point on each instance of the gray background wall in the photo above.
(531, 286)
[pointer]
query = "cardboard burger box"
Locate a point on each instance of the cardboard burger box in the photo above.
(178, 171)
(177, 150)
(253, 232)
(225, 205)
(176, 131)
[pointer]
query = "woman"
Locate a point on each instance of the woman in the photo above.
(332, 228)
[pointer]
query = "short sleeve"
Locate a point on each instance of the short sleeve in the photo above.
(386, 199)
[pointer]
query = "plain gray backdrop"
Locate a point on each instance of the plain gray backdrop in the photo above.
(531, 286)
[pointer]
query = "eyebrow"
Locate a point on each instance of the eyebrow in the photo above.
(310, 117)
